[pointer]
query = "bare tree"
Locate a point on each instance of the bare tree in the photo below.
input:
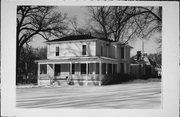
(100, 17)
(38, 20)
(123, 22)
(78, 30)
(149, 22)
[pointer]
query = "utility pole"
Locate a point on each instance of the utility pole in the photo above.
(142, 47)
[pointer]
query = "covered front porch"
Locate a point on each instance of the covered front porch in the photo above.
(86, 71)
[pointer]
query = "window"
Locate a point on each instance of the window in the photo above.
(57, 69)
(97, 68)
(43, 68)
(101, 50)
(107, 48)
(77, 67)
(109, 68)
(91, 68)
(83, 68)
(122, 68)
(114, 68)
(83, 49)
(103, 68)
(122, 52)
(115, 51)
(128, 67)
(65, 67)
(57, 51)
(73, 68)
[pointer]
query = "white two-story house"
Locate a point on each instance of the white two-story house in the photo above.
(84, 59)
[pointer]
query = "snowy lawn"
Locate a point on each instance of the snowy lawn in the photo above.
(121, 96)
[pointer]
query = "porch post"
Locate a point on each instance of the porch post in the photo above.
(100, 72)
(53, 74)
(53, 70)
(70, 70)
(94, 64)
(106, 68)
(38, 73)
(125, 68)
(86, 73)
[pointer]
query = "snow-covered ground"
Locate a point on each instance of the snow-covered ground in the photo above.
(122, 96)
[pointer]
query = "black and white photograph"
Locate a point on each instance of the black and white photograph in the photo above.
(86, 60)
(88, 56)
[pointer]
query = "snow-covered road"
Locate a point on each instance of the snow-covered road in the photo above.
(121, 96)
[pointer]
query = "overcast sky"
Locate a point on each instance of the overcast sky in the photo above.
(81, 13)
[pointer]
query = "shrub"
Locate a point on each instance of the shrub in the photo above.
(116, 79)
(22, 79)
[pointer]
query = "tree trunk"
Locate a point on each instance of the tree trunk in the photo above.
(18, 51)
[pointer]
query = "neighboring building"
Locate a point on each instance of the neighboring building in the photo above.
(143, 67)
(82, 59)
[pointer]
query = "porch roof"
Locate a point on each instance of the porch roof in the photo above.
(77, 59)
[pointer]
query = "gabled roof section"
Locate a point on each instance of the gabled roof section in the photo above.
(78, 37)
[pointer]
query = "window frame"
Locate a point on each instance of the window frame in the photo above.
(114, 68)
(84, 49)
(43, 70)
(110, 69)
(73, 68)
(122, 68)
(57, 69)
(122, 53)
(57, 53)
(103, 67)
(83, 71)
(102, 51)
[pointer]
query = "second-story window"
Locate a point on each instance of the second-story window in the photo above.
(83, 49)
(57, 51)
(101, 50)
(122, 52)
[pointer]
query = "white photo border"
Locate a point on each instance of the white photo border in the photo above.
(170, 62)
